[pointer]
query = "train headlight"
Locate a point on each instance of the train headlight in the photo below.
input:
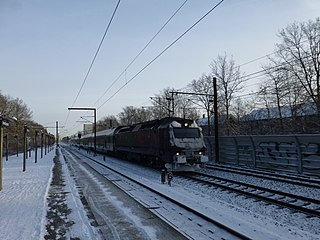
(200, 153)
(177, 154)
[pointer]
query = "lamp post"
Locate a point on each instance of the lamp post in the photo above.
(29, 146)
(45, 143)
(25, 131)
(36, 146)
(3, 123)
(42, 143)
(216, 120)
(17, 144)
(6, 144)
(94, 123)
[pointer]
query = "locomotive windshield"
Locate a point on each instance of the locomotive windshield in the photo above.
(186, 132)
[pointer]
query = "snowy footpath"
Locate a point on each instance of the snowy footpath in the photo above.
(23, 197)
(25, 201)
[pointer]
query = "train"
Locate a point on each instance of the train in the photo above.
(175, 144)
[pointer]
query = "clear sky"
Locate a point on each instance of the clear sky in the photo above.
(46, 48)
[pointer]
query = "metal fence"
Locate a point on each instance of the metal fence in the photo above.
(293, 153)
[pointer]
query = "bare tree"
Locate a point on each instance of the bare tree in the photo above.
(229, 80)
(276, 85)
(20, 110)
(187, 108)
(107, 122)
(242, 108)
(299, 52)
(204, 87)
(131, 115)
(14, 108)
(163, 105)
(159, 107)
(171, 103)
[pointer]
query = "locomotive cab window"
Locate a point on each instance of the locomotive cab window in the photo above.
(186, 132)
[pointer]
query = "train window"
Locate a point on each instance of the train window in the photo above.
(186, 132)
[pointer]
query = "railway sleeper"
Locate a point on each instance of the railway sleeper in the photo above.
(315, 207)
(301, 203)
(260, 192)
(279, 197)
(292, 200)
(268, 194)
(306, 204)
(251, 190)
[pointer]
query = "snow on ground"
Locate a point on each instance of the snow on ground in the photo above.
(23, 200)
(248, 216)
(23, 197)
(23, 203)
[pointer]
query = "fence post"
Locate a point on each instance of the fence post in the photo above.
(1, 153)
(6, 144)
(253, 152)
(299, 157)
(237, 150)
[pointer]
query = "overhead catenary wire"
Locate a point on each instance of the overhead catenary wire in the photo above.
(270, 54)
(162, 52)
(142, 50)
(262, 72)
(252, 75)
(95, 56)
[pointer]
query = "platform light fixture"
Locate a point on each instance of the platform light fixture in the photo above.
(4, 122)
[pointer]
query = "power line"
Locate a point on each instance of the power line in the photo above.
(94, 58)
(262, 72)
(162, 52)
(269, 54)
(144, 48)
(96, 54)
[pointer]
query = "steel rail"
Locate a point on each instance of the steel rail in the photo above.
(295, 179)
(205, 217)
(276, 200)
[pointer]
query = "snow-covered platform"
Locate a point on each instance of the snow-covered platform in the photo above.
(23, 197)
(32, 202)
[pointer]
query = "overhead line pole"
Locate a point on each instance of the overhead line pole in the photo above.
(199, 94)
(216, 122)
(94, 122)
(57, 133)
(215, 109)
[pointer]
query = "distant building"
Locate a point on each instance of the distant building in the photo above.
(301, 119)
(87, 128)
(305, 109)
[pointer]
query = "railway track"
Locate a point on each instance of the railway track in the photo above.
(221, 229)
(295, 179)
(309, 206)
